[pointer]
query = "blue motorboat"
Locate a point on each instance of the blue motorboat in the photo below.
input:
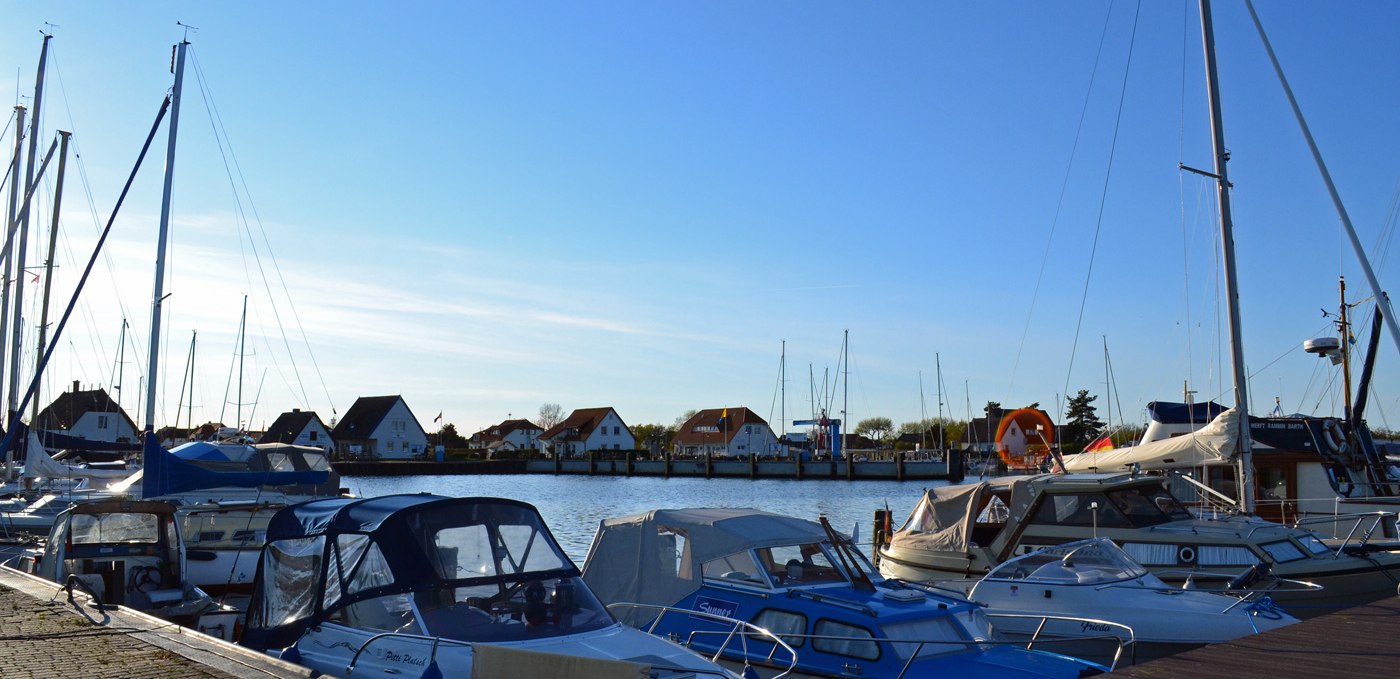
(430, 586)
(674, 571)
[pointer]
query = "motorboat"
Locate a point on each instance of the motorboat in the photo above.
(668, 570)
(424, 585)
(128, 553)
(1033, 596)
(958, 532)
(1321, 472)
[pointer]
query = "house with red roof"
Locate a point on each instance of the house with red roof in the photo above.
(725, 432)
(587, 429)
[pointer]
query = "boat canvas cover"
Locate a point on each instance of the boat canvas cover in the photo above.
(38, 464)
(164, 474)
(1168, 412)
(944, 518)
(655, 558)
(1212, 444)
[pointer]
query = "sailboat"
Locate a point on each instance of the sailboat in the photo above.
(965, 531)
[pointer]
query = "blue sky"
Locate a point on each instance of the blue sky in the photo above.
(489, 206)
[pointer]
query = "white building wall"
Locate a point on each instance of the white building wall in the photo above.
(523, 438)
(102, 427)
(399, 436)
(314, 435)
(612, 434)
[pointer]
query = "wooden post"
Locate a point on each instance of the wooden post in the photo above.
(666, 455)
(899, 465)
(753, 466)
(708, 467)
(591, 463)
(630, 455)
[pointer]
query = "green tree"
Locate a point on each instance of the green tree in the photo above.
(683, 418)
(878, 428)
(449, 437)
(1082, 422)
(655, 437)
(993, 409)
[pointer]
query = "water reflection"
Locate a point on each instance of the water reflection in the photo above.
(573, 505)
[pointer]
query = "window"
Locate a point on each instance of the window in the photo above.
(736, 568)
(847, 640)
(101, 421)
(790, 627)
(617, 431)
(1283, 551)
(313, 435)
(1085, 509)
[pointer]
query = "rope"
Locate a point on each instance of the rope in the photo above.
(1060, 202)
(1103, 199)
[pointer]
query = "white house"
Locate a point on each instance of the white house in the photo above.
(91, 415)
(725, 432)
(379, 428)
(301, 428)
(588, 429)
(508, 435)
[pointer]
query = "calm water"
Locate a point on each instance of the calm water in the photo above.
(573, 505)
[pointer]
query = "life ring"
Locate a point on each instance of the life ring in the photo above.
(1334, 437)
(1186, 555)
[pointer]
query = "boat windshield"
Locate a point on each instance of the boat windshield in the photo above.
(798, 565)
(1085, 562)
(114, 527)
(1148, 505)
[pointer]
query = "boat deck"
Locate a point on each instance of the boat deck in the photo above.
(1355, 642)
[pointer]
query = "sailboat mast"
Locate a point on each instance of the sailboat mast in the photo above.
(938, 366)
(1382, 300)
(242, 349)
(48, 272)
(8, 257)
(1227, 242)
(17, 326)
(782, 409)
(1344, 326)
(158, 294)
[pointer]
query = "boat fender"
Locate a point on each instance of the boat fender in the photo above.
(1186, 555)
(1335, 438)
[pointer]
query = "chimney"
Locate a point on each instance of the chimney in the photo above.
(296, 410)
(75, 386)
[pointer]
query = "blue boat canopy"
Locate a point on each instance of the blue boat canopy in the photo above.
(1167, 412)
(323, 558)
(164, 473)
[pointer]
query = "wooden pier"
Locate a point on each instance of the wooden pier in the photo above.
(899, 468)
(1355, 642)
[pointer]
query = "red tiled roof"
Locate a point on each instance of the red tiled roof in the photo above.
(705, 426)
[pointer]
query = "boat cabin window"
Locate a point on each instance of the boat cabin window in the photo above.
(1082, 509)
(1283, 551)
(114, 527)
(793, 565)
(291, 572)
(789, 626)
(389, 613)
(840, 638)
(738, 567)
(1148, 505)
(1314, 544)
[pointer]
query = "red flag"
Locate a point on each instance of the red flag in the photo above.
(1101, 443)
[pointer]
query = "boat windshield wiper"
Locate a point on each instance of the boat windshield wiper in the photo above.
(849, 561)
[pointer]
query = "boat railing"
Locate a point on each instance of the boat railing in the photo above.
(744, 631)
(1126, 640)
(1247, 594)
(1364, 523)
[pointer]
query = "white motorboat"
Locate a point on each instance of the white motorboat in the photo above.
(1094, 578)
(409, 584)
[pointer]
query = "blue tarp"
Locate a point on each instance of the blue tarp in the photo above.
(164, 473)
(199, 450)
(1167, 412)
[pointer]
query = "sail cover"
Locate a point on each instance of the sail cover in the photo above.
(38, 464)
(164, 474)
(1214, 443)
